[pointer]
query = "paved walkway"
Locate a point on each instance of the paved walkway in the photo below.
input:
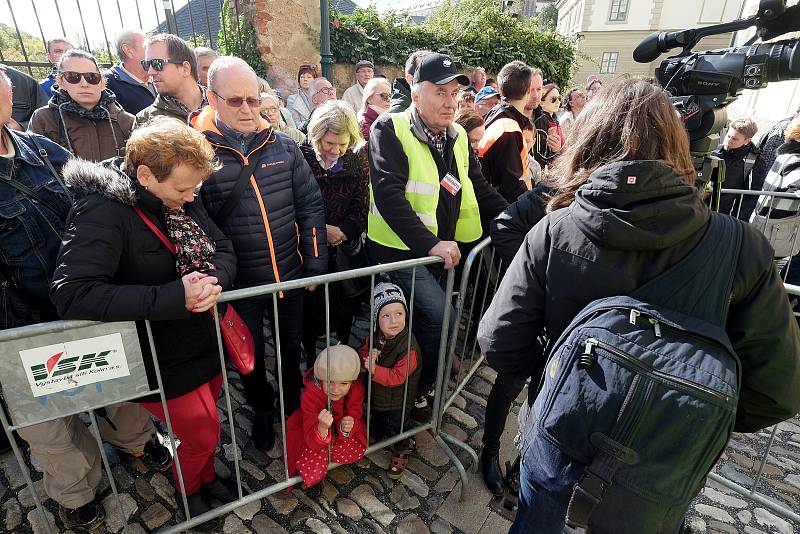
(361, 499)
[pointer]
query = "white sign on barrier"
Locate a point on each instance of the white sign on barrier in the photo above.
(70, 365)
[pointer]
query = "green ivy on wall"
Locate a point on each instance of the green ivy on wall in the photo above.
(473, 32)
(239, 40)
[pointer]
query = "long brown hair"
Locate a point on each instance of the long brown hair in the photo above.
(631, 119)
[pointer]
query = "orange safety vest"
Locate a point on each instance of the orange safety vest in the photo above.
(493, 133)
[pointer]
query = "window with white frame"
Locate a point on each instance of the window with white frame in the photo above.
(608, 65)
(619, 11)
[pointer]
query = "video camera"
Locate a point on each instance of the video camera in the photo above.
(704, 83)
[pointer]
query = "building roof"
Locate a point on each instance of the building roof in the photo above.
(345, 7)
(203, 14)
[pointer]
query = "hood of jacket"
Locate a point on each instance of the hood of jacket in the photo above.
(401, 95)
(106, 179)
(638, 205)
(505, 110)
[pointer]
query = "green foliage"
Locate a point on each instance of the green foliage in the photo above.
(240, 39)
(548, 18)
(473, 32)
(12, 51)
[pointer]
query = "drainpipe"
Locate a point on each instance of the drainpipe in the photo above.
(325, 40)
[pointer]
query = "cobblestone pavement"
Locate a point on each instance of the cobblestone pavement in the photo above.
(361, 498)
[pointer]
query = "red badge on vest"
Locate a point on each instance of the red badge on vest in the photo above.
(450, 183)
(632, 180)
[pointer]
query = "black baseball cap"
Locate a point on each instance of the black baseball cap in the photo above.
(438, 69)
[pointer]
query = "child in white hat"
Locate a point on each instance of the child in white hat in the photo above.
(311, 428)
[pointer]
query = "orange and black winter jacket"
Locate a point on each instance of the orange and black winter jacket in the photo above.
(278, 225)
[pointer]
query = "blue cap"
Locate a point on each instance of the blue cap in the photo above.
(486, 92)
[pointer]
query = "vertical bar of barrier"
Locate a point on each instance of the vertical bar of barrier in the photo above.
(191, 20)
(371, 337)
(226, 387)
(105, 35)
(440, 383)
(276, 334)
(328, 363)
(181, 486)
(39, 23)
(24, 469)
(119, 12)
(83, 24)
(764, 459)
(408, 348)
(60, 20)
(106, 463)
(139, 15)
(222, 25)
(208, 26)
(19, 37)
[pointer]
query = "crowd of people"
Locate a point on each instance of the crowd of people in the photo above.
(143, 192)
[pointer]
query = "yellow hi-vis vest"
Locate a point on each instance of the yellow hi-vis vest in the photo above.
(422, 189)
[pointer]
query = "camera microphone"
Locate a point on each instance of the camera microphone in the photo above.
(659, 42)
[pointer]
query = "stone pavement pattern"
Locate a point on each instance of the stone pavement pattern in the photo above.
(360, 498)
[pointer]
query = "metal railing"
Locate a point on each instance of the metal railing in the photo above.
(151, 16)
(323, 283)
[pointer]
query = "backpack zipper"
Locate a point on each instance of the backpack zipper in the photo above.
(648, 370)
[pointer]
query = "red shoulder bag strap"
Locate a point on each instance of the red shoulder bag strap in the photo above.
(155, 230)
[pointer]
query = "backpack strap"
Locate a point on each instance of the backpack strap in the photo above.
(57, 209)
(749, 162)
(700, 284)
(53, 171)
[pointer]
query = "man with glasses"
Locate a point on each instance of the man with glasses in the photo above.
(172, 66)
(264, 197)
(128, 80)
(55, 49)
(321, 91)
(502, 151)
(354, 94)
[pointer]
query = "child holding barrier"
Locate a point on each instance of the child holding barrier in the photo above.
(313, 426)
(390, 362)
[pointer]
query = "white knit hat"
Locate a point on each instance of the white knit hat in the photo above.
(344, 364)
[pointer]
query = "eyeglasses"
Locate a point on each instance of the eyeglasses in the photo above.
(268, 111)
(237, 101)
(385, 96)
(92, 78)
(158, 64)
(327, 90)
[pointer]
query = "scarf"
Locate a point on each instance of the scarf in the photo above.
(194, 250)
(66, 104)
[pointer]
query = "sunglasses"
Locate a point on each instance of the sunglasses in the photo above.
(237, 101)
(554, 99)
(158, 64)
(73, 77)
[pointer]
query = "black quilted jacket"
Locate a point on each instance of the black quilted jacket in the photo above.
(278, 225)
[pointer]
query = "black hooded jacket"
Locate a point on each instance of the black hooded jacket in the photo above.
(735, 178)
(501, 164)
(401, 96)
(615, 237)
(112, 267)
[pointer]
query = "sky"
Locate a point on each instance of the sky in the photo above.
(151, 11)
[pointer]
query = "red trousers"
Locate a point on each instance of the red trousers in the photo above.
(196, 423)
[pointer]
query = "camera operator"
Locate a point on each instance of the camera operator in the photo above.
(632, 214)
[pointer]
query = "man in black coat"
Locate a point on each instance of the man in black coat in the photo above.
(28, 97)
(275, 218)
(401, 88)
(740, 157)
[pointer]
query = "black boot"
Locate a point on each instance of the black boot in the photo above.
(85, 518)
(221, 489)
(263, 431)
(198, 506)
(491, 472)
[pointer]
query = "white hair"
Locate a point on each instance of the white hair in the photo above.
(372, 88)
(419, 86)
(204, 51)
(127, 36)
(316, 83)
(227, 62)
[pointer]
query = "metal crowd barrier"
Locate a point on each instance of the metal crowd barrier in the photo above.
(323, 282)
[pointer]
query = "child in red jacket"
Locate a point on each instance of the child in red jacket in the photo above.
(311, 428)
(392, 359)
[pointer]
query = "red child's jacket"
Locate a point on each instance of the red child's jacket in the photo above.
(306, 450)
